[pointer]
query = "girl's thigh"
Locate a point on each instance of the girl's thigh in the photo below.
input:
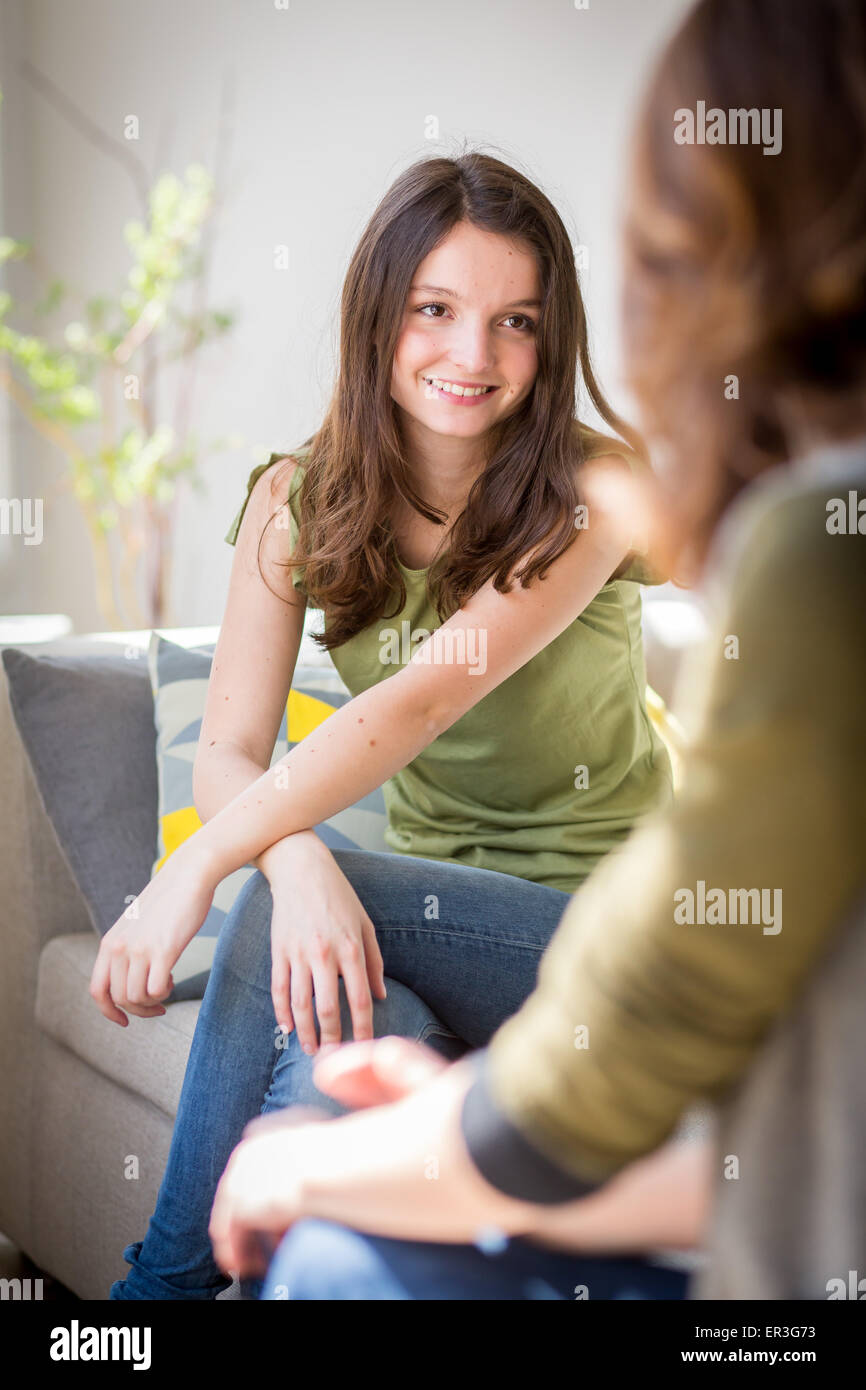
(467, 941)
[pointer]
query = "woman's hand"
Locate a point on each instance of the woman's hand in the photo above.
(260, 1194)
(368, 1170)
(320, 931)
(135, 959)
(363, 1074)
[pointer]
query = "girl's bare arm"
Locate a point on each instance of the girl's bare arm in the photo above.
(384, 728)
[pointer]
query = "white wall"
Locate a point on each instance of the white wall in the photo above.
(331, 98)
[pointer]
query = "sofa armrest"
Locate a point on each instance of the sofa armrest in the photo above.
(39, 899)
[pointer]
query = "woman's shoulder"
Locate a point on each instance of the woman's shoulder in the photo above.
(288, 468)
(595, 446)
(796, 528)
(291, 461)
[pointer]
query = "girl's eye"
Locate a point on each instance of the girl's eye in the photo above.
(528, 323)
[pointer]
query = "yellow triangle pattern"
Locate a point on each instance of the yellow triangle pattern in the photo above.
(177, 826)
(669, 730)
(304, 713)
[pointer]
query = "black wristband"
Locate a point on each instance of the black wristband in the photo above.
(504, 1156)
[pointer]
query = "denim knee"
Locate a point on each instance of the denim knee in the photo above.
(244, 943)
(321, 1261)
(402, 1013)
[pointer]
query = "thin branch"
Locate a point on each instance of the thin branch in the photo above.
(115, 149)
(183, 408)
(49, 428)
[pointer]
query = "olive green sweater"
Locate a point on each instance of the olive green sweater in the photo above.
(666, 971)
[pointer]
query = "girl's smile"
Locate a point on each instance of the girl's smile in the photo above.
(456, 392)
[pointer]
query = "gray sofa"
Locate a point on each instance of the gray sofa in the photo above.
(78, 1095)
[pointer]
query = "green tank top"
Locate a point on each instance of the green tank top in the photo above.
(549, 771)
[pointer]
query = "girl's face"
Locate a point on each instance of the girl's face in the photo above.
(469, 322)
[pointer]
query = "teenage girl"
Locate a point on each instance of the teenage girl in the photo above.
(452, 488)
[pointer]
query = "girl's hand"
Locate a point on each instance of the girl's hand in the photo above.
(320, 931)
(133, 966)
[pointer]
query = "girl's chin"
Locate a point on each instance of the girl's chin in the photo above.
(458, 423)
(456, 428)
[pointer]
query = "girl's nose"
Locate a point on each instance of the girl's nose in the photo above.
(471, 350)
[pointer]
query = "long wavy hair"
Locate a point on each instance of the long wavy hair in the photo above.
(357, 467)
(745, 272)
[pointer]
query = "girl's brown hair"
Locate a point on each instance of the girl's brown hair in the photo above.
(525, 497)
(745, 272)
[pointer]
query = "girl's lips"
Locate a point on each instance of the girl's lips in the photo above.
(434, 392)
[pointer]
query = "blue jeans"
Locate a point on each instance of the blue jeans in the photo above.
(318, 1260)
(461, 949)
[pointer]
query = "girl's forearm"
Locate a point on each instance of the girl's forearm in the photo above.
(225, 772)
(352, 753)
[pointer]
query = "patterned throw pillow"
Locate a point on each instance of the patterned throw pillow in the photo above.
(179, 678)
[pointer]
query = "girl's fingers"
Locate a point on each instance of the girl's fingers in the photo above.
(302, 1005)
(128, 987)
(353, 967)
(374, 962)
(326, 985)
(100, 989)
(136, 981)
(159, 979)
(117, 980)
(146, 1010)
(281, 973)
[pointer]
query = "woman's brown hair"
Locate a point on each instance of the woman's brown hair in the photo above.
(745, 272)
(525, 497)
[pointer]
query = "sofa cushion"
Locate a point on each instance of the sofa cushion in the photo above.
(86, 723)
(179, 678)
(148, 1057)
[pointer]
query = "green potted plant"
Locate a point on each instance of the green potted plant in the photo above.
(92, 388)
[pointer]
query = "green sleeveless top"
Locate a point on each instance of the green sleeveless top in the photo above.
(549, 771)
